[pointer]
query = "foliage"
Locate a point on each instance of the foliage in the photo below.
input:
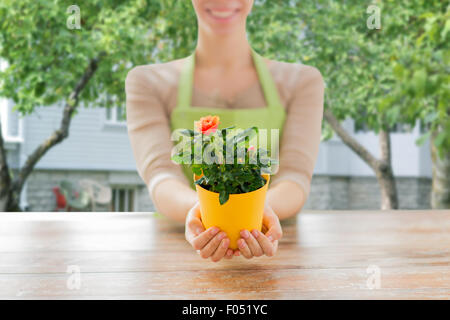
(422, 70)
(46, 59)
(224, 160)
(381, 77)
(397, 74)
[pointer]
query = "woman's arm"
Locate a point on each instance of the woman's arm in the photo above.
(286, 199)
(176, 208)
(299, 145)
(150, 137)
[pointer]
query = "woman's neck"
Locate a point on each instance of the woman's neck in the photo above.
(229, 51)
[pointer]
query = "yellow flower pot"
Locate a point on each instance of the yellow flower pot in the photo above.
(241, 211)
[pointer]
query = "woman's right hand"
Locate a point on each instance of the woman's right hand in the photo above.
(211, 243)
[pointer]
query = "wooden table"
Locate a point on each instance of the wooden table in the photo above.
(335, 254)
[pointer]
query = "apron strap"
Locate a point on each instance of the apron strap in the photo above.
(185, 83)
(265, 78)
(268, 85)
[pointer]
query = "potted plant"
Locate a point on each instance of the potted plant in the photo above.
(231, 175)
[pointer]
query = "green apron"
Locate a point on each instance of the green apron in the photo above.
(270, 117)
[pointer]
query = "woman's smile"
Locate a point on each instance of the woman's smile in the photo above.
(222, 17)
(223, 14)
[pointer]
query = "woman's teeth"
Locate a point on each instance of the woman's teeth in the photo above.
(222, 14)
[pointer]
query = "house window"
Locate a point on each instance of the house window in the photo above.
(115, 115)
(11, 122)
(397, 128)
(115, 112)
(123, 199)
(402, 128)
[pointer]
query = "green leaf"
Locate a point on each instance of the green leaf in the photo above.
(423, 138)
(187, 132)
(197, 170)
(200, 180)
(223, 197)
(177, 158)
(39, 89)
(247, 133)
(440, 138)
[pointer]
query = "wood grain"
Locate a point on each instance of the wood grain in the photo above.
(323, 255)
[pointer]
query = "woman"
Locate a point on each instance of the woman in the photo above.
(227, 74)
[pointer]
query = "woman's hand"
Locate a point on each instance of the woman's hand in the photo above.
(209, 243)
(256, 243)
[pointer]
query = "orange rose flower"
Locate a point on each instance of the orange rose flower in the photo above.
(207, 125)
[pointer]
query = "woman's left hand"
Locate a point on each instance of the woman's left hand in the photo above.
(254, 243)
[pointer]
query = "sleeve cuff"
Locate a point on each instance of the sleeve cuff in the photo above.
(300, 181)
(159, 177)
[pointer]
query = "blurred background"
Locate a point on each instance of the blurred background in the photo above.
(64, 143)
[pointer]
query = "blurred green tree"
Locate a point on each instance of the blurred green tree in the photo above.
(379, 77)
(49, 62)
(421, 69)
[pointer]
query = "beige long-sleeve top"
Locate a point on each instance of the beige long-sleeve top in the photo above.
(151, 95)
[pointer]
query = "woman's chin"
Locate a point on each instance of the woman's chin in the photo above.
(224, 24)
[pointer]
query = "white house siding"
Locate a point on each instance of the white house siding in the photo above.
(408, 160)
(94, 150)
(91, 145)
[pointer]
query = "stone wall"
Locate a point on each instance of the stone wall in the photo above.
(356, 193)
(145, 203)
(327, 192)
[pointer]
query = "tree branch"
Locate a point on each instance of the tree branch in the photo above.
(5, 178)
(385, 149)
(351, 142)
(63, 132)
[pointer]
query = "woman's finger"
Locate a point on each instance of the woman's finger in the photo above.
(221, 250)
(200, 241)
(272, 223)
(194, 225)
(244, 249)
(266, 245)
(275, 245)
(212, 245)
(229, 254)
(274, 233)
(254, 246)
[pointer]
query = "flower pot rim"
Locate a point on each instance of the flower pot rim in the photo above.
(265, 175)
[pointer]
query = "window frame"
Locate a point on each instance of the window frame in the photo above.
(130, 193)
(113, 110)
(5, 122)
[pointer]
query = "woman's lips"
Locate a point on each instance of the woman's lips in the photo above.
(222, 14)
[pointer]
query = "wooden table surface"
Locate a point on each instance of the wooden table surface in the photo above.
(323, 255)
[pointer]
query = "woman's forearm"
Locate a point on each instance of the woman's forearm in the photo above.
(175, 205)
(286, 199)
